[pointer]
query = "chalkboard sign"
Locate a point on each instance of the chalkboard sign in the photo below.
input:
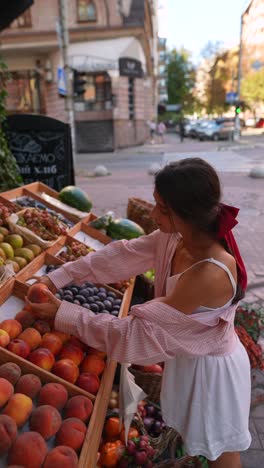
(42, 148)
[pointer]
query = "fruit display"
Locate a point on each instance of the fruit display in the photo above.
(73, 251)
(15, 250)
(41, 425)
(124, 229)
(75, 197)
(42, 223)
(29, 202)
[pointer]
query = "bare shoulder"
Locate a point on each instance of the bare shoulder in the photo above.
(205, 284)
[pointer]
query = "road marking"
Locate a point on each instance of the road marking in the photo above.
(224, 161)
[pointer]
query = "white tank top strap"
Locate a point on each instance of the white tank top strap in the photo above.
(221, 265)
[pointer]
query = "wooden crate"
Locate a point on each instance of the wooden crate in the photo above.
(87, 235)
(46, 377)
(36, 267)
(34, 191)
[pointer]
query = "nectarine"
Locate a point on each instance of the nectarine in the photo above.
(94, 364)
(12, 327)
(66, 369)
(37, 293)
(46, 420)
(30, 449)
(19, 408)
(42, 326)
(19, 347)
(71, 433)
(52, 342)
(31, 336)
(25, 318)
(61, 456)
(43, 358)
(6, 391)
(79, 407)
(73, 352)
(4, 338)
(53, 394)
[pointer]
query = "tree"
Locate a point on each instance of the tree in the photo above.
(252, 88)
(9, 175)
(181, 79)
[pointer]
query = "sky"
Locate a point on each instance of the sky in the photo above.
(192, 23)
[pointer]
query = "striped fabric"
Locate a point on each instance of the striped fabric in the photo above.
(154, 332)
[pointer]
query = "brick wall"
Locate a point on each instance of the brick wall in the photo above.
(55, 105)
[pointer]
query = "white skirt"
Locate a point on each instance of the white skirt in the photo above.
(207, 400)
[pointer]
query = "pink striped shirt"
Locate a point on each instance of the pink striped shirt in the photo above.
(154, 331)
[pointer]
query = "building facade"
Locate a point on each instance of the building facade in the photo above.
(113, 49)
(162, 71)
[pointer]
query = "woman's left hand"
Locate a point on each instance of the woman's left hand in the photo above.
(46, 310)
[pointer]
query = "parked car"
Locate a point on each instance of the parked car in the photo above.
(199, 128)
(189, 127)
(260, 123)
(217, 131)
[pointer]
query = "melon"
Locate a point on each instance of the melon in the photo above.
(75, 197)
(124, 229)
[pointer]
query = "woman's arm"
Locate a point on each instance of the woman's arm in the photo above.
(117, 261)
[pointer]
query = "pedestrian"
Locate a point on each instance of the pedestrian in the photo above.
(181, 129)
(152, 131)
(161, 130)
(200, 278)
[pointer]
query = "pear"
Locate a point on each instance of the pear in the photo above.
(21, 261)
(24, 253)
(36, 249)
(8, 249)
(15, 240)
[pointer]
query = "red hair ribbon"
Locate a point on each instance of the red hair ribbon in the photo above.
(226, 221)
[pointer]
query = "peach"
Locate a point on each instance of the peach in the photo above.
(30, 449)
(25, 318)
(98, 353)
(42, 326)
(71, 433)
(52, 342)
(6, 391)
(66, 369)
(8, 433)
(19, 408)
(53, 394)
(19, 347)
(70, 351)
(63, 336)
(61, 456)
(76, 342)
(29, 384)
(46, 420)
(4, 338)
(32, 337)
(10, 371)
(12, 327)
(43, 358)
(94, 364)
(37, 293)
(89, 382)
(79, 407)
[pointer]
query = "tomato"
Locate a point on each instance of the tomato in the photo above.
(111, 428)
(132, 434)
(111, 452)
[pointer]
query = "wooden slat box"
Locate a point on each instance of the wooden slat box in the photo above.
(46, 377)
(36, 190)
(16, 194)
(89, 236)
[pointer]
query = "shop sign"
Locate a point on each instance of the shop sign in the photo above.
(42, 148)
(130, 67)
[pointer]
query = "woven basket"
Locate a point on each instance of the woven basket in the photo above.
(139, 210)
(149, 382)
(183, 462)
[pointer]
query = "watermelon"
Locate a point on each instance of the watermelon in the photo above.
(75, 197)
(124, 229)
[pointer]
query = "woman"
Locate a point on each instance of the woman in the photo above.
(200, 277)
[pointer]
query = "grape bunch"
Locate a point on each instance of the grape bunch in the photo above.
(138, 452)
(152, 419)
(42, 223)
(74, 251)
(5, 211)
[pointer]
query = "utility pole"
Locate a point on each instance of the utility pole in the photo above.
(239, 76)
(64, 36)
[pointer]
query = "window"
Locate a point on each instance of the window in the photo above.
(86, 10)
(97, 95)
(131, 99)
(24, 20)
(24, 92)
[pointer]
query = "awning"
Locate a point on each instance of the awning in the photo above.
(12, 9)
(103, 55)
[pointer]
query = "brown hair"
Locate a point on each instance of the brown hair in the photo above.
(191, 188)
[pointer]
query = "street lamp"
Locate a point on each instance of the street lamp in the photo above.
(239, 76)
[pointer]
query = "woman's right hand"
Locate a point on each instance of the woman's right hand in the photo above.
(45, 280)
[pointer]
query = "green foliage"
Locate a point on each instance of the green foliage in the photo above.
(9, 175)
(181, 79)
(252, 87)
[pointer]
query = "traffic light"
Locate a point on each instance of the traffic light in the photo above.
(238, 109)
(79, 83)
